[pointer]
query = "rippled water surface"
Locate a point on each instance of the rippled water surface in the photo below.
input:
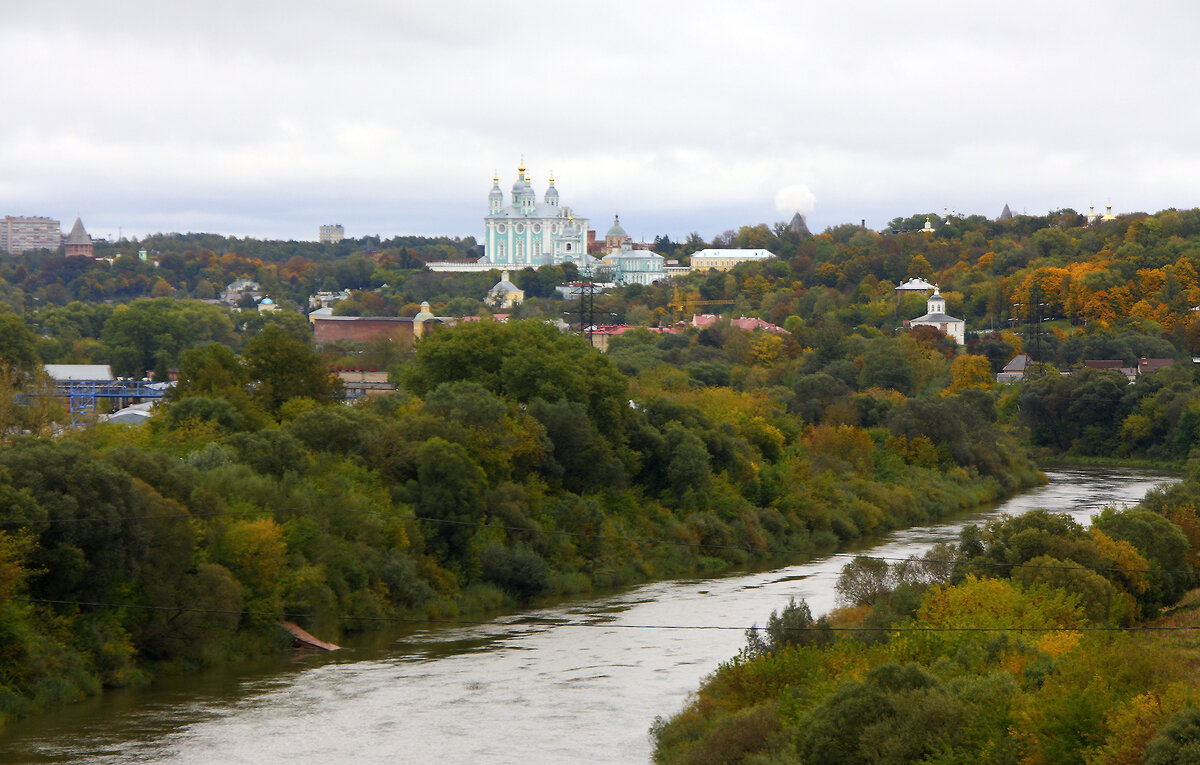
(579, 682)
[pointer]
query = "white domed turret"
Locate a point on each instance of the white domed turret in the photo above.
(524, 197)
(936, 303)
(495, 196)
(425, 314)
(552, 193)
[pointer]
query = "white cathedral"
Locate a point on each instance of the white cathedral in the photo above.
(529, 233)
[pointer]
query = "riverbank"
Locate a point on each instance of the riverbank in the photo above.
(133, 553)
(580, 680)
(1008, 651)
(1048, 460)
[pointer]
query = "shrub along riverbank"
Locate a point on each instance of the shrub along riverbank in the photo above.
(1032, 640)
(515, 464)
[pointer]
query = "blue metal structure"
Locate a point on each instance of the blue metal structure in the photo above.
(82, 395)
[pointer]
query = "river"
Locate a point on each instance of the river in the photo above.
(574, 683)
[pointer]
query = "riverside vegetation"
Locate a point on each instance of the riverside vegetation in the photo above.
(516, 463)
(1032, 640)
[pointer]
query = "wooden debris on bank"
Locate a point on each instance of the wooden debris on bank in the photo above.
(304, 639)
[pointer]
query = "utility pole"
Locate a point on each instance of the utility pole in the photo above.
(587, 303)
(1033, 319)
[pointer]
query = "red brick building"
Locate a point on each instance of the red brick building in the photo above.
(364, 329)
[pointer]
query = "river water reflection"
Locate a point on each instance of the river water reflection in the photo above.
(579, 682)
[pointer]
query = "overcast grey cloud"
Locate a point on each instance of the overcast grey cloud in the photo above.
(268, 119)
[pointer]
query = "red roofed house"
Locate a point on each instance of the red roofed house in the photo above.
(748, 323)
(599, 335)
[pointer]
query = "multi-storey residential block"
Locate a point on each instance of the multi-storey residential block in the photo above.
(20, 234)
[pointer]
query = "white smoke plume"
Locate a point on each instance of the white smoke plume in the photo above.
(793, 199)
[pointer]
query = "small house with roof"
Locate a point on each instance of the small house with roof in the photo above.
(1147, 366)
(599, 336)
(1014, 370)
(239, 288)
(746, 323)
(916, 284)
(79, 372)
(505, 294)
(936, 317)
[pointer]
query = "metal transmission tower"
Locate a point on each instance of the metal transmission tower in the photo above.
(1033, 320)
(587, 304)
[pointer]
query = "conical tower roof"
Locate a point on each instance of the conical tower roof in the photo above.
(1006, 214)
(78, 235)
(799, 226)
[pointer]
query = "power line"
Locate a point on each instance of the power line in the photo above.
(525, 621)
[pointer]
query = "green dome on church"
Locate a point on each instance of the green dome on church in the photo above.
(616, 229)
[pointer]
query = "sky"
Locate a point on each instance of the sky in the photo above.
(268, 119)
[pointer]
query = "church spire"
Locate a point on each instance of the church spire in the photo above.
(495, 196)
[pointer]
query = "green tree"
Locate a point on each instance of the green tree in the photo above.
(95, 539)
(897, 714)
(522, 361)
(689, 465)
(795, 626)
(864, 580)
(451, 490)
(284, 367)
(1162, 543)
(1178, 742)
(997, 350)
(18, 350)
(885, 366)
(210, 370)
(1095, 593)
(146, 334)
